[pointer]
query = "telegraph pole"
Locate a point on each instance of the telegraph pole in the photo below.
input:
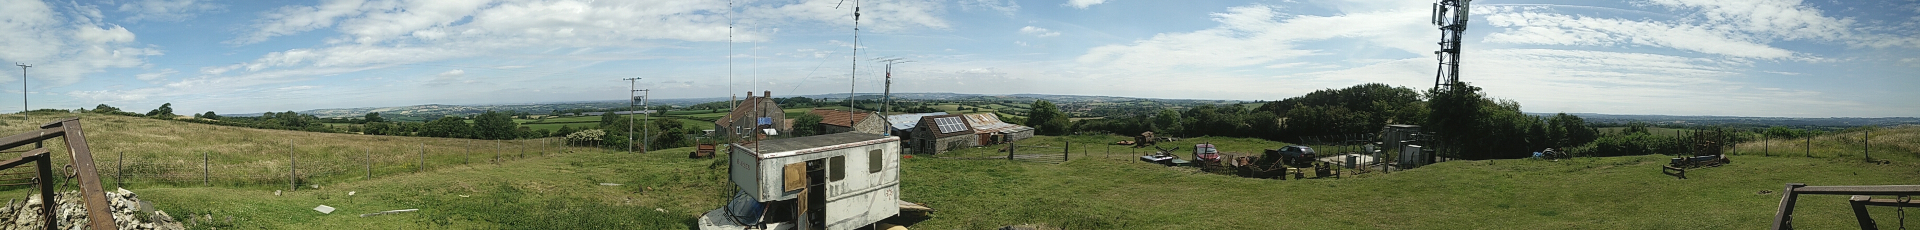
(886, 95)
(632, 86)
(23, 91)
(645, 141)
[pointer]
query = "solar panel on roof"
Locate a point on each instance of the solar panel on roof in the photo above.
(950, 124)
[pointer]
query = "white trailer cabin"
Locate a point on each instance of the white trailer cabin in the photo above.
(833, 181)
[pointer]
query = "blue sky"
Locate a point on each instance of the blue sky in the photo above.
(1675, 57)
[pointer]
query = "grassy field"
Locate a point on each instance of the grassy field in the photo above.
(1657, 131)
(1102, 187)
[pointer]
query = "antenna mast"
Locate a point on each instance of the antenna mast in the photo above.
(856, 62)
(1451, 16)
(731, 104)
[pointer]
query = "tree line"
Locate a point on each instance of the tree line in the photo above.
(1470, 124)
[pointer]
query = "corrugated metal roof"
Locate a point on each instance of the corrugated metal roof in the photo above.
(906, 121)
(988, 123)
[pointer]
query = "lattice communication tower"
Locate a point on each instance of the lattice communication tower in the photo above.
(1451, 16)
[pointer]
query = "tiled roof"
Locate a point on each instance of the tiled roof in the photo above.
(839, 118)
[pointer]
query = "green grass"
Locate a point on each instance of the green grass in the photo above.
(1103, 187)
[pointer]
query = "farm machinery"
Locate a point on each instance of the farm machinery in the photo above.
(1165, 157)
(1706, 150)
(1277, 163)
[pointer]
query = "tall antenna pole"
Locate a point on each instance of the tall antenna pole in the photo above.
(632, 86)
(731, 105)
(1451, 16)
(856, 63)
(23, 90)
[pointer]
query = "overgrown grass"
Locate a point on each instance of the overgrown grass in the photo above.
(172, 152)
(1098, 189)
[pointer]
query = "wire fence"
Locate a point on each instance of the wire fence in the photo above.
(295, 166)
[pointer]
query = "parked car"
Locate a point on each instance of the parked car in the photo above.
(1293, 154)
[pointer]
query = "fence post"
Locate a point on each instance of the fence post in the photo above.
(1809, 145)
(293, 167)
(369, 153)
(206, 169)
(423, 159)
(1066, 151)
(1009, 150)
(120, 169)
(496, 153)
(1866, 141)
(468, 158)
(1766, 148)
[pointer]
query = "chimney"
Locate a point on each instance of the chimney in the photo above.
(749, 94)
(767, 94)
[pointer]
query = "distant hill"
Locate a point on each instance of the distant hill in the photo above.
(434, 110)
(1831, 122)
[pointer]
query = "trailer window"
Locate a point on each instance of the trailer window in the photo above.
(874, 161)
(838, 167)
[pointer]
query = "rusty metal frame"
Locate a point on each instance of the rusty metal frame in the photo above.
(99, 212)
(1783, 218)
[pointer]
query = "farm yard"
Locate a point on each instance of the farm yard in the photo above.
(1101, 186)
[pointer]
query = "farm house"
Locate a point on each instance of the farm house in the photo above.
(937, 134)
(902, 125)
(754, 115)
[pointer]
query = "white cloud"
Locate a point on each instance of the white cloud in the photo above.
(1258, 35)
(1530, 27)
(166, 10)
(291, 20)
(1038, 32)
(161, 75)
(1787, 19)
(64, 51)
(1083, 4)
(449, 78)
(1004, 7)
(876, 15)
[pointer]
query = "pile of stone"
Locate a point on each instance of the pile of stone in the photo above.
(128, 212)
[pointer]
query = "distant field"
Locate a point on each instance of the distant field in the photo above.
(1657, 131)
(1101, 187)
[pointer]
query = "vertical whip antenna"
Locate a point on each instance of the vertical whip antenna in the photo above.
(856, 60)
(731, 105)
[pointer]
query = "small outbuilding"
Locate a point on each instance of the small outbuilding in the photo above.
(937, 134)
(989, 130)
(839, 181)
